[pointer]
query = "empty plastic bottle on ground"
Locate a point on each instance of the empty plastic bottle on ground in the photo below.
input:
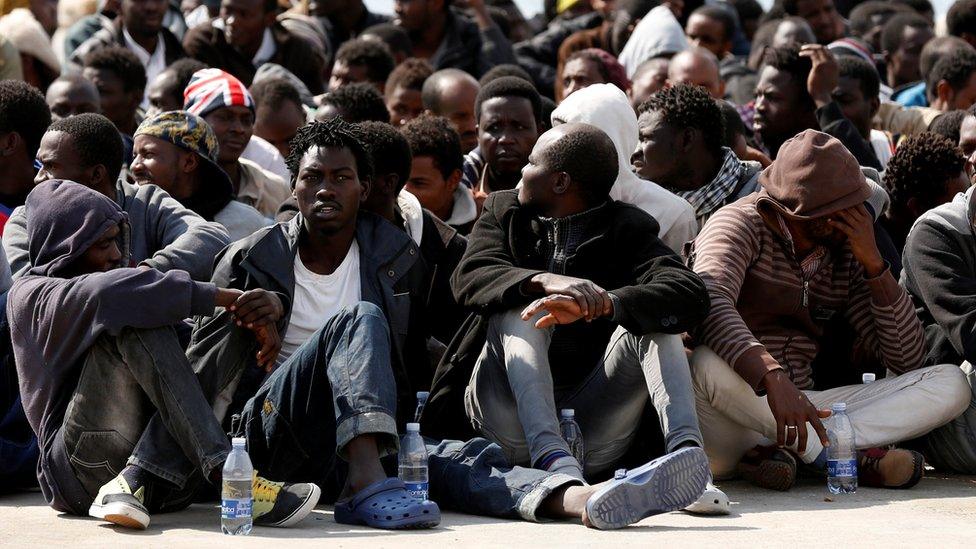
(571, 433)
(236, 499)
(422, 397)
(413, 462)
(842, 452)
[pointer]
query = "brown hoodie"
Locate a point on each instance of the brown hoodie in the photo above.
(766, 314)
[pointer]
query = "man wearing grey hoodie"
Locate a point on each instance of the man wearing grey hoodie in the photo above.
(93, 342)
(164, 234)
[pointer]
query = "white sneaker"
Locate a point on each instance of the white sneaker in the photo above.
(712, 502)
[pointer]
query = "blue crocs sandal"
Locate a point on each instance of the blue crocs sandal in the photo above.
(668, 483)
(387, 504)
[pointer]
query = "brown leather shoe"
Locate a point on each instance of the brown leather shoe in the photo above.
(894, 468)
(769, 467)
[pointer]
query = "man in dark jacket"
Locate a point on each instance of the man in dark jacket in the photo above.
(537, 264)
(354, 363)
(447, 39)
(246, 36)
(794, 94)
(140, 30)
(94, 343)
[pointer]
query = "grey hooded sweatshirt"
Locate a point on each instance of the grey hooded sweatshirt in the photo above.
(54, 321)
(164, 234)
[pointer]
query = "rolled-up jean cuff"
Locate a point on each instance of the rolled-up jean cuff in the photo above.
(528, 506)
(673, 445)
(368, 423)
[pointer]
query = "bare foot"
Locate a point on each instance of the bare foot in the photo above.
(364, 466)
(570, 502)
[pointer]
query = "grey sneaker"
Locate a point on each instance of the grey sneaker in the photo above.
(668, 483)
(281, 504)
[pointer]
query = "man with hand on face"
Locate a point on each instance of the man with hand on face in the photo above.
(509, 112)
(177, 151)
(779, 265)
(94, 345)
(548, 335)
(246, 36)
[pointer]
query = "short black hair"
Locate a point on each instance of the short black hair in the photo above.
(361, 102)
(589, 156)
(961, 18)
(920, 6)
(96, 139)
(434, 136)
(590, 55)
(937, 48)
(394, 36)
(733, 123)
(688, 106)
(921, 167)
(410, 75)
(433, 86)
(865, 73)
(509, 86)
(184, 70)
(947, 124)
(373, 55)
(891, 34)
(722, 15)
(23, 110)
(275, 92)
(335, 133)
(389, 149)
(548, 106)
(505, 69)
(862, 14)
(636, 8)
(120, 61)
(955, 68)
(787, 59)
(747, 9)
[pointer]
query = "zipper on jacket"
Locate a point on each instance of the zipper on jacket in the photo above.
(806, 293)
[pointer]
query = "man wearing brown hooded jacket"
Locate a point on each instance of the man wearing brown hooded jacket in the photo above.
(778, 265)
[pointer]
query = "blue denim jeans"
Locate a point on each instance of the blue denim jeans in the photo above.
(340, 385)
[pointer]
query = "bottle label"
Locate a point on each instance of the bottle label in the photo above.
(842, 467)
(235, 509)
(417, 489)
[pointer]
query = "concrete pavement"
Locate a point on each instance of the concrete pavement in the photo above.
(940, 512)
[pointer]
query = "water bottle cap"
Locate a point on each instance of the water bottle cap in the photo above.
(422, 395)
(239, 442)
(413, 427)
(838, 407)
(567, 412)
(868, 378)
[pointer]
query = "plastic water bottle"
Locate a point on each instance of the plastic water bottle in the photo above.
(422, 397)
(236, 499)
(413, 462)
(842, 452)
(571, 433)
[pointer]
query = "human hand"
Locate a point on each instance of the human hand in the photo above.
(257, 308)
(858, 224)
(793, 410)
(226, 297)
(593, 300)
(270, 342)
(825, 74)
(560, 309)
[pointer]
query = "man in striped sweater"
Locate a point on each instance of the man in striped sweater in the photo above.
(779, 264)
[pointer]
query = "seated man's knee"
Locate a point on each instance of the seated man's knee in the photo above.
(957, 392)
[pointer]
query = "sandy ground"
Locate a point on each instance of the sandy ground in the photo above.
(940, 512)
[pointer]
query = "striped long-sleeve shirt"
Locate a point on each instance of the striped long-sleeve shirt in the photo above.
(767, 314)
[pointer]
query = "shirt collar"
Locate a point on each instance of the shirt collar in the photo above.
(267, 49)
(144, 56)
